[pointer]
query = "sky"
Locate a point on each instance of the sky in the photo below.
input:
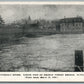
(14, 12)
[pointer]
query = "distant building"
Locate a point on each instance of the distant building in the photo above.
(56, 26)
(72, 25)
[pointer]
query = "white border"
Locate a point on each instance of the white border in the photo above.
(44, 3)
(59, 78)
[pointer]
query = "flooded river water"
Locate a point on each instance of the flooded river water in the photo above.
(47, 53)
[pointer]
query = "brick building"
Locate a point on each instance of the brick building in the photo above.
(72, 25)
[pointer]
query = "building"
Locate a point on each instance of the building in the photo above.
(72, 25)
(56, 26)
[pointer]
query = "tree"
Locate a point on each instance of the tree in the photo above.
(1, 21)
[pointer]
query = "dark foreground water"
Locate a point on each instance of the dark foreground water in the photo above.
(48, 53)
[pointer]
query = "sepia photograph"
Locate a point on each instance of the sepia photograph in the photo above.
(41, 38)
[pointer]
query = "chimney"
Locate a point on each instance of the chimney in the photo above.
(64, 16)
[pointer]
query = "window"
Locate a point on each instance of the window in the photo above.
(76, 24)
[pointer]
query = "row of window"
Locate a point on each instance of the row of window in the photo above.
(73, 24)
(77, 28)
(72, 30)
(74, 20)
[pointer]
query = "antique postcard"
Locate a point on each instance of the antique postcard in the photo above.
(42, 41)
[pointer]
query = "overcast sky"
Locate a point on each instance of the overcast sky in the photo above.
(11, 13)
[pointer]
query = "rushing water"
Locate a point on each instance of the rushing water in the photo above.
(47, 53)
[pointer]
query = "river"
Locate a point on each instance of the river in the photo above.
(47, 53)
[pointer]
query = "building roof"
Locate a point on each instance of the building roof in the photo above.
(71, 20)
